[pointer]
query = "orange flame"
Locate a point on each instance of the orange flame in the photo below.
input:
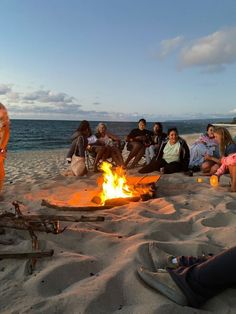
(114, 183)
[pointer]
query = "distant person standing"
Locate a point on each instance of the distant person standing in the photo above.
(4, 137)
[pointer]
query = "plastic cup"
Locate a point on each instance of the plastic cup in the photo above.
(214, 181)
(200, 180)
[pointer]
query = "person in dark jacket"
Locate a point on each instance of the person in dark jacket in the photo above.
(173, 155)
(191, 280)
(137, 141)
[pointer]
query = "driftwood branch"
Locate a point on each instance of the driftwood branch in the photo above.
(74, 208)
(19, 223)
(36, 254)
(64, 218)
(6, 242)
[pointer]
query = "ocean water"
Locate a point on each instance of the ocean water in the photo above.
(51, 134)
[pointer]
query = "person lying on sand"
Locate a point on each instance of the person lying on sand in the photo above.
(189, 280)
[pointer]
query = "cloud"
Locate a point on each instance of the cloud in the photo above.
(4, 89)
(47, 96)
(47, 104)
(167, 46)
(212, 51)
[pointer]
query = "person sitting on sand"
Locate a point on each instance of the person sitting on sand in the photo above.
(158, 137)
(111, 143)
(79, 144)
(205, 144)
(226, 147)
(172, 157)
(4, 138)
(189, 280)
(137, 141)
(228, 161)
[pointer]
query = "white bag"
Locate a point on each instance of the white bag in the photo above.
(78, 166)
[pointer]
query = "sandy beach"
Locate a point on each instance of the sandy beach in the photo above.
(93, 269)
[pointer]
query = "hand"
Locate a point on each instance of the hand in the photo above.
(140, 138)
(2, 153)
(207, 157)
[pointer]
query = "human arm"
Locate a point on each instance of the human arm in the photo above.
(186, 156)
(212, 158)
(136, 136)
(4, 139)
(113, 137)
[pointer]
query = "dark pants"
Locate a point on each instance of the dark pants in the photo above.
(156, 165)
(204, 280)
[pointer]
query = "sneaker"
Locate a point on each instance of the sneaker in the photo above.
(189, 173)
(162, 282)
(160, 258)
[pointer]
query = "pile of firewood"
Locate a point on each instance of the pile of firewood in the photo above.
(33, 223)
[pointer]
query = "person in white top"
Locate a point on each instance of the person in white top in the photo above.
(172, 157)
(112, 144)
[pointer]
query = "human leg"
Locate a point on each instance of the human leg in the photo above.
(197, 283)
(135, 146)
(203, 281)
(162, 259)
(2, 172)
(232, 171)
(101, 154)
(173, 167)
(138, 156)
(149, 153)
(206, 166)
(116, 156)
(154, 165)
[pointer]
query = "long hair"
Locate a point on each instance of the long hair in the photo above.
(99, 125)
(160, 127)
(225, 139)
(172, 129)
(84, 127)
(209, 126)
(5, 118)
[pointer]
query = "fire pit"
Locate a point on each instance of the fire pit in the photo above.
(114, 189)
(117, 189)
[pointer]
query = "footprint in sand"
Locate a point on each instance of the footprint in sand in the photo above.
(220, 220)
(55, 280)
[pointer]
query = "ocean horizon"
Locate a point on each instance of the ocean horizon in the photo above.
(53, 134)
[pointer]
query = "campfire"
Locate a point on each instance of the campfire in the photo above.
(114, 188)
(118, 189)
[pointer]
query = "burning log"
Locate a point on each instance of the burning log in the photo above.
(37, 254)
(121, 201)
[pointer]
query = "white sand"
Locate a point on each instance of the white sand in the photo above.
(93, 269)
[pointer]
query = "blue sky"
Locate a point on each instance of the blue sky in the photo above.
(118, 59)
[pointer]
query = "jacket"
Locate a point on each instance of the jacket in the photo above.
(184, 153)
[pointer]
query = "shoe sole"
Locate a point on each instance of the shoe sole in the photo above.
(159, 286)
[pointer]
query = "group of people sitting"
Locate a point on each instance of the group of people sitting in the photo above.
(214, 152)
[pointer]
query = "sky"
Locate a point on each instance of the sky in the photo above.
(118, 60)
